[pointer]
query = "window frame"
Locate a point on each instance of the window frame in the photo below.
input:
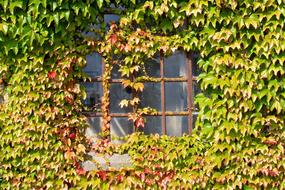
(190, 79)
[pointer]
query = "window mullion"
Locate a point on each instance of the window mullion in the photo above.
(189, 90)
(163, 116)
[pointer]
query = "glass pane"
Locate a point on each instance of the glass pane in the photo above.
(176, 125)
(88, 32)
(94, 128)
(152, 67)
(120, 126)
(117, 94)
(176, 96)
(195, 68)
(196, 90)
(115, 74)
(151, 96)
(109, 18)
(174, 66)
(94, 93)
(152, 125)
(195, 115)
(94, 65)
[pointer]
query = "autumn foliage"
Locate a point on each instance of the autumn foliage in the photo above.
(239, 138)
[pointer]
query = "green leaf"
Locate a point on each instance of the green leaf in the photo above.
(100, 3)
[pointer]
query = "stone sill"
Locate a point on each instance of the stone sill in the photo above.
(105, 162)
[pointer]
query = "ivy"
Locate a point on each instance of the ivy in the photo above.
(239, 137)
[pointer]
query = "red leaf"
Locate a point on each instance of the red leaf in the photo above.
(270, 142)
(142, 176)
(122, 47)
(113, 26)
(120, 178)
(147, 170)
(80, 171)
(72, 136)
(113, 39)
(127, 48)
(102, 175)
(51, 74)
(142, 33)
(76, 165)
(139, 122)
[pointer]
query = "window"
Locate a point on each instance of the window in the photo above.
(171, 94)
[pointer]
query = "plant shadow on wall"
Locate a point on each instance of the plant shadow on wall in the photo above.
(238, 140)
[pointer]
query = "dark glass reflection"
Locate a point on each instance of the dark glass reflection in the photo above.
(94, 128)
(176, 96)
(120, 127)
(196, 90)
(175, 65)
(152, 67)
(151, 96)
(94, 93)
(109, 18)
(176, 125)
(117, 94)
(195, 68)
(152, 125)
(94, 65)
(194, 119)
(115, 74)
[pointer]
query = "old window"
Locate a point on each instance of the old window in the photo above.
(171, 95)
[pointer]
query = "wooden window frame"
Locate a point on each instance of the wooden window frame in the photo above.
(189, 79)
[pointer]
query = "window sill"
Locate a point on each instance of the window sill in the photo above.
(105, 162)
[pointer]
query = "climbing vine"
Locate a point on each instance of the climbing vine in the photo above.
(239, 140)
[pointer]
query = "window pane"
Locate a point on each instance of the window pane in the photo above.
(196, 90)
(109, 18)
(152, 125)
(115, 74)
(94, 93)
(94, 65)
(117, 94)
(152, 67)
(174, 66)
(120, 126)
(94, 127)
(176, 96)
(176, 125)
(151, 96)
(195, 68)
